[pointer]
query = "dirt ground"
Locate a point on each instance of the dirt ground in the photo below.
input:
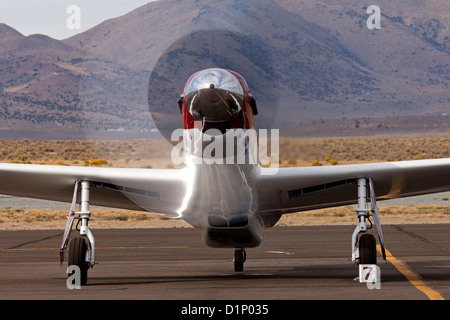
(18, 219)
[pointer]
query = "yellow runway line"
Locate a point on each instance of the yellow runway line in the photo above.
(29, 249)
(162, 247)
(99, 248)
(412, 277)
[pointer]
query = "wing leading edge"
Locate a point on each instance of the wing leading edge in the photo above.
(287, 190)
(154, 190)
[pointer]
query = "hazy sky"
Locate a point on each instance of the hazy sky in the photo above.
(50, 17)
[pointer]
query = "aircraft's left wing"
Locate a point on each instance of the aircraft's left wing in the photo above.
(156, 190)
(287, 190)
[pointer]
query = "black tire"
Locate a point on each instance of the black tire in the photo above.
(77, 257)
(367, 249)
(239, 259)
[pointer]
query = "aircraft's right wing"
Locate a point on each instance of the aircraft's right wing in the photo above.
(287, 190)
(157, 190)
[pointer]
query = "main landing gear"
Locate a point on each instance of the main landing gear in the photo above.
(364, 250)
(364, 245)
(81, 248)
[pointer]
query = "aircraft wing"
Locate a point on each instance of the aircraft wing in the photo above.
(156, 190)
(287, 190)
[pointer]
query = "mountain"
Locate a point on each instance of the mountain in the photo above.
(305, 62)
(409, 57)
(38, 86)
(283, 57)
(9, 39)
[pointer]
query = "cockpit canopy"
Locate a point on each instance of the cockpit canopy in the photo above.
(214, 95)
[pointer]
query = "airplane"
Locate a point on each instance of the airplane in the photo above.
(230, 201)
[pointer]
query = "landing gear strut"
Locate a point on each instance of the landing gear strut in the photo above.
(82, 248)
(366, 252)
(239, 258)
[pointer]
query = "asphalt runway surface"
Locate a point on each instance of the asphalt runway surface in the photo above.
(292, 263)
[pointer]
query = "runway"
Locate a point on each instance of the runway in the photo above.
(293, 263)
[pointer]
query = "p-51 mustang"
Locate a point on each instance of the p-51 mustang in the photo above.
(223, 191)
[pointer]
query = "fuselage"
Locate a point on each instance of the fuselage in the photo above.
(220, 154)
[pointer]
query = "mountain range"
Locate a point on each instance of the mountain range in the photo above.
(312, 66)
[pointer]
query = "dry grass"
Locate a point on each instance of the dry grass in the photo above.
(18, 219)
(388, 215)
(293, 151)
(111, 153)
(346, 150)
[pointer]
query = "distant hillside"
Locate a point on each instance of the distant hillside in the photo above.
(306, 63)
(39, 83)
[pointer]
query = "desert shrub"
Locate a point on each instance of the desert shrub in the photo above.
(98, 162)
(332, 161)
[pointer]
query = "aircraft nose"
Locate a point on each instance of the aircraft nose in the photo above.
(214, 95)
